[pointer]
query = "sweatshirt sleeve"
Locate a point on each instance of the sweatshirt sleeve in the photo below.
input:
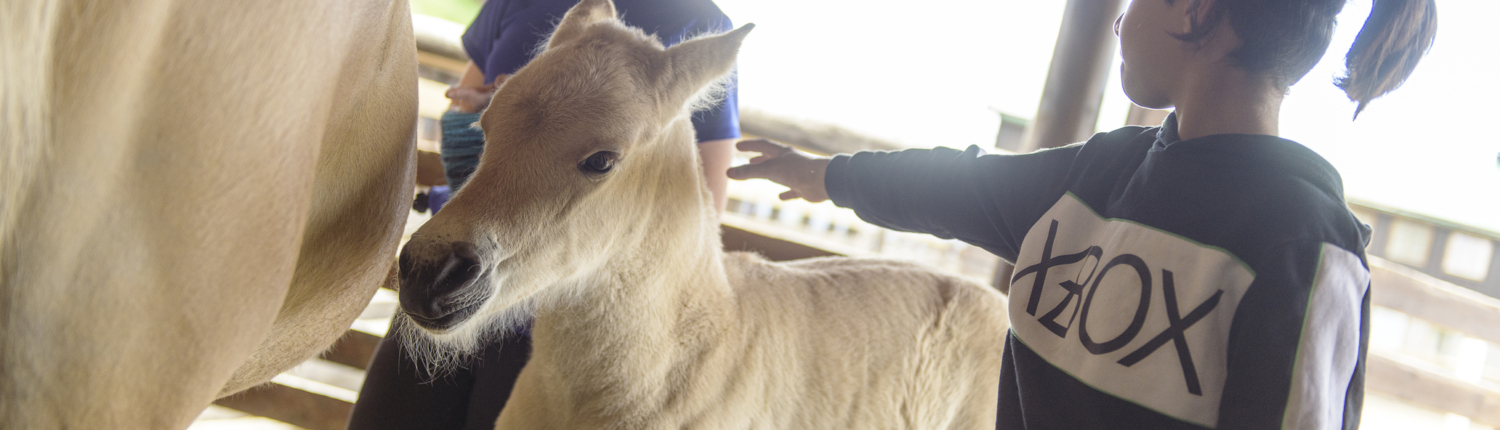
(986, 200)
(1298, 344)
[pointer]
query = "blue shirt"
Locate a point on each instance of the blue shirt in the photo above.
(507, 34)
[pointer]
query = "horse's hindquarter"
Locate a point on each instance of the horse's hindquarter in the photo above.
(156, 238)
(882, 343)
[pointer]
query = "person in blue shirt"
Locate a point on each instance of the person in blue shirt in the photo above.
(1201, 274)
(508, 33)
(398, 393)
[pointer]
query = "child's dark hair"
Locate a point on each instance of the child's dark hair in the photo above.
(1285, 39)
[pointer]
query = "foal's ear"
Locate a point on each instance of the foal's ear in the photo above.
(583, 14)
(696, 63)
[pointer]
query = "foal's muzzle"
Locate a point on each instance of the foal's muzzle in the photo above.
(439, 283)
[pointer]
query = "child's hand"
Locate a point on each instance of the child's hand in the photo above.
(801, 172)
(470, 99)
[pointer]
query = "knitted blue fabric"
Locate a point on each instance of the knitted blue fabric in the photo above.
(462, 143)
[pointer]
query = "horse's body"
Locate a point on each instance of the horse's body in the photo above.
(194, 196)
(588, 209)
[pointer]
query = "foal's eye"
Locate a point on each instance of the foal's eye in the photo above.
(599, 163)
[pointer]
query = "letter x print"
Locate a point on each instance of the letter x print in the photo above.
(1176, 325)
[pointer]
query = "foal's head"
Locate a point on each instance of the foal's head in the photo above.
(588, 150)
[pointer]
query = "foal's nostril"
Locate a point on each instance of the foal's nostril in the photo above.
(429, 290)
(461, 269)
(466, 250)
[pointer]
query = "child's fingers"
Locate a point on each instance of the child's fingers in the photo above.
(763, 146)
(748, 171)
(790, 195)
(771, 171)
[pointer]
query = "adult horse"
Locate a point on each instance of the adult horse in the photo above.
(194, 196)
(589, 208)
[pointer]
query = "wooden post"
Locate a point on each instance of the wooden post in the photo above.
(1075, 84)
(1076, 79)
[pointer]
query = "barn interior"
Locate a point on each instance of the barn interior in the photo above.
(1014, 76)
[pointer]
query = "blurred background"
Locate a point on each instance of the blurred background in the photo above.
(838, 76)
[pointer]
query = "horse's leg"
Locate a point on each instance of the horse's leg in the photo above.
(530, 404)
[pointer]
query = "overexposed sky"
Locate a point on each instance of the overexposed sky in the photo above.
(923, 74)
(932, 73)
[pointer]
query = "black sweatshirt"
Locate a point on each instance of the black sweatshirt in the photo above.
(1214, 282)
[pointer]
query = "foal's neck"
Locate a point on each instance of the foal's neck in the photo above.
(651, 306)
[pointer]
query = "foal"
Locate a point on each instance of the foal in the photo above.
(588, 210)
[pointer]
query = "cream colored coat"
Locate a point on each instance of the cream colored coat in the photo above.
(194, 196)
(642, 322)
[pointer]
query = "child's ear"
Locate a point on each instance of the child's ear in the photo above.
(585, 13)
(1195, 12)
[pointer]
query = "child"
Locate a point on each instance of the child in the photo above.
(1201, 274)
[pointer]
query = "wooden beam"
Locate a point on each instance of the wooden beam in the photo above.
(354, 349)
(442, 62)
(811, 136)
(1414, 382)
(1419, 295)
(439, 37)
(430, 169)
(746, 236)
(438, 44)
(296, 401)
(1076, 79)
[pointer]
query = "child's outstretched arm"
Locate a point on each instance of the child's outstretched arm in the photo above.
(985, 200)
